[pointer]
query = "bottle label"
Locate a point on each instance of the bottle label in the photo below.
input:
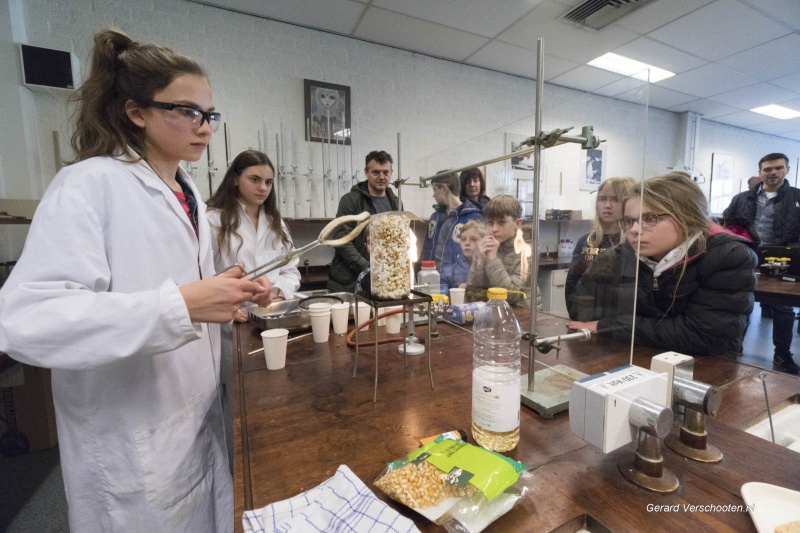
(495, 398)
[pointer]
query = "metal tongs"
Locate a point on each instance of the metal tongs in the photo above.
(362, 219)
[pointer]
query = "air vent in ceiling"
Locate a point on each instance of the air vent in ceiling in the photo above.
(597, 14)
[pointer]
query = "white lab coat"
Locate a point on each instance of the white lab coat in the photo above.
(257, 247)
(95, 298)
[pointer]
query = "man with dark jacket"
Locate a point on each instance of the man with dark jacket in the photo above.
(374, 196)
(773, 206)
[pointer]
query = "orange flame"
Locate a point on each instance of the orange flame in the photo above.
(413, 256)
(525, 250)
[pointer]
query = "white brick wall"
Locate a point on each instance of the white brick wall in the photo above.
(443, 110)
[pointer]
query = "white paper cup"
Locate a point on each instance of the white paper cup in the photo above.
(340, 314)
(321, 324)
(394, 322)
(379, 321)
(319, 306)
(457, 296)
(275, 347)
(362, 315)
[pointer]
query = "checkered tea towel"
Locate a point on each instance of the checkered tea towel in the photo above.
(340, 504)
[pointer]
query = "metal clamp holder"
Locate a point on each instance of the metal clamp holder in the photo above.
(698, 399)
(646, 469)
(545, 344)
(438, 310)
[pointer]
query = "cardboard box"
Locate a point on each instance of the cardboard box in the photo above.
(32, 403)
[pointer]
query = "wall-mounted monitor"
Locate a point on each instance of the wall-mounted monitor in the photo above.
(47, 70)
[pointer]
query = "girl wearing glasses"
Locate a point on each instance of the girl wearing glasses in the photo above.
(118, 267)
(605, 231)
(696, 279)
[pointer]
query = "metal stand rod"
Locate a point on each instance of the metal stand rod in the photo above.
(519, 153)
(399, 174)
(537, 169)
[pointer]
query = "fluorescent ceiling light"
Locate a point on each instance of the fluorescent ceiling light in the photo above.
(776, 111)
(630, 67)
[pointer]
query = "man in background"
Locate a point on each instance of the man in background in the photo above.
(774, 209)
(374, 196)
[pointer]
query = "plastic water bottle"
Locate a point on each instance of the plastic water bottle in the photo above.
(429, 278)
(496, 375)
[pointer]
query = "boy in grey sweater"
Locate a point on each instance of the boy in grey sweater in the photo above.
(497, 264)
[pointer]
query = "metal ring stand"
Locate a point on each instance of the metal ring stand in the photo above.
(407, 303)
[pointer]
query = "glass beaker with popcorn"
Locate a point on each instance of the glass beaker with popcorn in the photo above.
(390, 267)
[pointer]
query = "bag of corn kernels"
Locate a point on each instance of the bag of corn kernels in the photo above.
(461, 487)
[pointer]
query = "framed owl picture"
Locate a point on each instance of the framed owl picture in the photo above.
(327, 112)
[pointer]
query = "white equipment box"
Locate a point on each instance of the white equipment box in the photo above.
(599, 404)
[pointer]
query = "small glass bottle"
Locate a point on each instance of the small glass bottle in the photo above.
(429, 278)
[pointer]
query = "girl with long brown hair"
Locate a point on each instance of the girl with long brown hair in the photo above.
(118, 265)
(247, 225)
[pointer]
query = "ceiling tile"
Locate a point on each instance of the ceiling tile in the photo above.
(744, 119)
(792, 135)
(564, 39)
(754, 96)
(783, 56)
(586, 78)
(792, 104)
(777, 126)
(786, 11)
(707, 108)
(657, 97)
(719, 29)
(621, 86)
(520, 61)
(657, 14)
(409, 33)
(659, 55)
(338, 16)
(475, 16)
(791, 82)
(708, 80)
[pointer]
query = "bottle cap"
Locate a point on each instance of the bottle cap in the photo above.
(429, 264)
(497, 293)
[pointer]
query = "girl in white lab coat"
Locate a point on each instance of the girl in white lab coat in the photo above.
(116, 293)
(247, 225)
